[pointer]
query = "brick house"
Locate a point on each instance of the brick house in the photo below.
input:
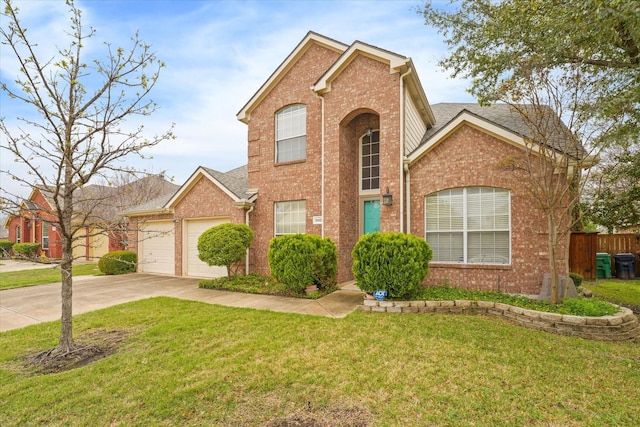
(35, 223)
(343, 141)
(97, 207)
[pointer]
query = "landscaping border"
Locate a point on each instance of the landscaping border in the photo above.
(621, 326)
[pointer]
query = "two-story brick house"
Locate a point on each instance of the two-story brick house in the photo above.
(343, 141)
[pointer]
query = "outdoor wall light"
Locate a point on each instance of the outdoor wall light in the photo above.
(368, 131)
(387, 198)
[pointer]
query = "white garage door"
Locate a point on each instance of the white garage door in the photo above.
(193, 266)
(157, 248)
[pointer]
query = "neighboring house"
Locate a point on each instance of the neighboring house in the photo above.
(35, 223)
(97, 208)
(342, 141)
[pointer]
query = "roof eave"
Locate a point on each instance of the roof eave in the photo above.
(244, 114)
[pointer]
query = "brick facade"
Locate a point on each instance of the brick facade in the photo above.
(470, 157)
(347, 89)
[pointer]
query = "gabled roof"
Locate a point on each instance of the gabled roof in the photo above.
(499, 120)
(233, 183)
(397, 64)
(310, 39)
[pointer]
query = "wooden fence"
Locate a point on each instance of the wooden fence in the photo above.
(584, 247)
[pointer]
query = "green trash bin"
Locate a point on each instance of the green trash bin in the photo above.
(603, 265)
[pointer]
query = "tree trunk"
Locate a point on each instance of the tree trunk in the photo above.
(66, 343)
(553, 265)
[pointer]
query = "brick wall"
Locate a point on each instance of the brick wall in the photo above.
(470, 157)
(365, 94)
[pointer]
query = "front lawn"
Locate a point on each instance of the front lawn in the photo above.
(190, 363)
(40, 276)
(625, 292)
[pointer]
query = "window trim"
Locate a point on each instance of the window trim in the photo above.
(275, 217)
(289, 137)
(47, 226)
(370, 191)
(466, 231)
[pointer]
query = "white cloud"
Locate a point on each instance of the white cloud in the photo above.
(218, 54)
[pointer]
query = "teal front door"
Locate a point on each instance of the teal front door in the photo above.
(371, 216)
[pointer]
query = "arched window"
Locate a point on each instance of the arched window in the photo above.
(291, 133)
(469, 225)
(18, 234)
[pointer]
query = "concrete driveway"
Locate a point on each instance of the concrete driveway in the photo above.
(36, 304)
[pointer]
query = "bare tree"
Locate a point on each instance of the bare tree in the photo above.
(79, 134)
(562, 142)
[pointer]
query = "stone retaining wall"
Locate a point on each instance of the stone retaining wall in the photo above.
(621, 326)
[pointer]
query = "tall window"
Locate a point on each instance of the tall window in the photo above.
(290, 217)
(18, 234)
(470, 225)
(370, 161)
(45, 235)
(291, 133)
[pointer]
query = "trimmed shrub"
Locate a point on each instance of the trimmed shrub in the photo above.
(300, 260)
(225, 244)
(577, 279)
(394, 262)
(118, 262)
(5, 247)
(28, 250)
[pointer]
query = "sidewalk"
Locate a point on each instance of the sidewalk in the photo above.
(36, 304)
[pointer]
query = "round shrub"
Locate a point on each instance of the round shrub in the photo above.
(225, 244)
(300, 260)
(577, 279)
(394, 262)
(28, 250)
(118, 262)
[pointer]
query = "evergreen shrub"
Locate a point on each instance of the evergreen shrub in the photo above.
(301, 260)
(118, 262)
(28, 250)
(5, 247)
(394, 262)
(225, 245)
(577, 279)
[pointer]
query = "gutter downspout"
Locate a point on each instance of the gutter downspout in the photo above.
(408, 191)
(248, 208)
(246, 221)
(321, 164)
(401, 144)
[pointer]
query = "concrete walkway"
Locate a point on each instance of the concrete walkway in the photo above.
(36, 304)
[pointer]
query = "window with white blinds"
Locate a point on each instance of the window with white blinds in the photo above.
(291, 133)
(469, 225)
(290, 217)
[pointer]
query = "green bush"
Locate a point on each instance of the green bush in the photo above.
(118, 262)
(225, 244)
(28, 250)
(394, 262)
(300, 260)
(5, 247)
(577, 279)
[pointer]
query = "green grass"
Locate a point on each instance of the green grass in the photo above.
(19, 279)
(191, 363)
(625, 292)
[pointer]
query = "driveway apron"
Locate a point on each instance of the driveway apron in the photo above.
(36, 304)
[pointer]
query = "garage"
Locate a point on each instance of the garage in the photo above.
(156, 248)
(192, 265)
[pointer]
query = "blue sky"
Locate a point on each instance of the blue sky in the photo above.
(218, 54)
